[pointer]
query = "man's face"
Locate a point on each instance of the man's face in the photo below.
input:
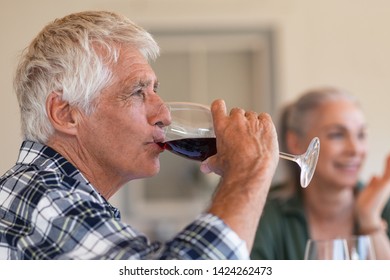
(121, 134)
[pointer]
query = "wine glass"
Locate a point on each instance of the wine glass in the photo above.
(191, 135)
(360, 247)
(332, 249)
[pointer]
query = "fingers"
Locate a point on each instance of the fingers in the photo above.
(221, 117)
(265, 118)
(387, 168)
(242, 137)
(384, 179)
(218, 108)
(250, 115)
(377, 192)
(237, 111)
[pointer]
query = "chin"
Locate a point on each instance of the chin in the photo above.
(153, 171)
(145, 171)
(350, 184)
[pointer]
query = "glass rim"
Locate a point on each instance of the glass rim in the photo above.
(182, 104)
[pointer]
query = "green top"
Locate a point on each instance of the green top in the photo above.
(283, 230)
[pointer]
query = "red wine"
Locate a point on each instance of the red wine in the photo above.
(192, 148)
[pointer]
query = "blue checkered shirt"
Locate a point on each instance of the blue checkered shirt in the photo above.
(48, 210)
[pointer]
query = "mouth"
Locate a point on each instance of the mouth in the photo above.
(159, 141)
(159, 136)
(348, 167)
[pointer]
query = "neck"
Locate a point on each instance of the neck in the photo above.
(327, 201)
(330, 211)
(105, 181)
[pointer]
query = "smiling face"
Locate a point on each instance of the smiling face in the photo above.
(341, 127)
(119, 138)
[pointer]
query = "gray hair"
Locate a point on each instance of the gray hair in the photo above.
(73, 57)
(297, 115)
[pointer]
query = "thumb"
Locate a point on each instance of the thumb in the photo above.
(204, 167)
(209, 165)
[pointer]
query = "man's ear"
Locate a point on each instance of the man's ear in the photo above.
(62, 116)
(294, 143)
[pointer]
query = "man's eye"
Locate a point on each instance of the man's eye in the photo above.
(139, 92)
(156, 86)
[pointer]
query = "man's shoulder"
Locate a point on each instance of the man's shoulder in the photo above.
(30, 175)
(29, 184)
(40, 165)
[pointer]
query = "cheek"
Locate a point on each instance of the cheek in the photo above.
(326, 155)
(363, 149)
(121, 128)
(117, 122)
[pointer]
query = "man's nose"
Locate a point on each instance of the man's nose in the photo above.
(163, 116)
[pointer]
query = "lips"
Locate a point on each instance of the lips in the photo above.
(159, 136)
(159, 140)
(348, 167)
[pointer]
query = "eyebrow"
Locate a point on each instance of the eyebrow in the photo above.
(145, 83)
(343, 127)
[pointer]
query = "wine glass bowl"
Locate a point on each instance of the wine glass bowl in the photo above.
(191, 132)
(355, 247)
(331, 249)
(361, 247)
(191, 135)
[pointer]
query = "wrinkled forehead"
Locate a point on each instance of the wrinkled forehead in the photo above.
(132, 65)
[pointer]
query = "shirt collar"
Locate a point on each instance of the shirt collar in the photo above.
(46, 158)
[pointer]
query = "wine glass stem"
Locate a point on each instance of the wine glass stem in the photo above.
(288, 156)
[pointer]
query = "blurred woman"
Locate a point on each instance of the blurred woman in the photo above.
(335, 204)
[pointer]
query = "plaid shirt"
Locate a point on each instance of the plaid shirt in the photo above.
(48, 210)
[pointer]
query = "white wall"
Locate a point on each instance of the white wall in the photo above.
(340, 42)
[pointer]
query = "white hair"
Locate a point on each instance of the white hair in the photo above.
(298, 114)
(73, 57)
